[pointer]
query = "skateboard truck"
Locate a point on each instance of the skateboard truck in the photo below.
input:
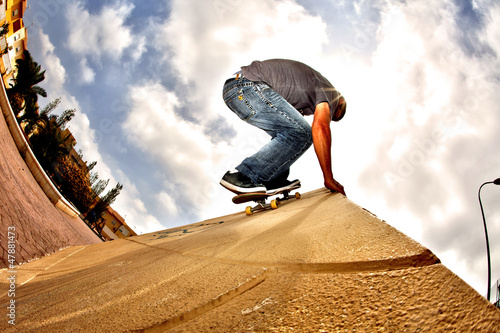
(263, 205)
(260, 199)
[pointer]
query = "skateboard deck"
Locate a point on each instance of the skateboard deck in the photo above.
(260, 199)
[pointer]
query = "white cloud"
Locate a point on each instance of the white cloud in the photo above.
(100, 34)
(132, 208)
(210, 40)
(433, 103)
(167, 203)
(492, 33)
(88, 74)
(55, 73)
(185, 155)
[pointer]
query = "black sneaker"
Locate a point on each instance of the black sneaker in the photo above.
(238, 183)
(281, 185)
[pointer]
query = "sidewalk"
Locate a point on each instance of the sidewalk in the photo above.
(39, 227)
(320, 264)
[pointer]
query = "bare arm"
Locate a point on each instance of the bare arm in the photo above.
(322, 139)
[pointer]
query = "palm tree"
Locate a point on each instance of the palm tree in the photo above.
(30, 119)
(24, 92)
(37, 120)
(50, 144)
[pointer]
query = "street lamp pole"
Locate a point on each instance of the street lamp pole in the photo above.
(496, 182)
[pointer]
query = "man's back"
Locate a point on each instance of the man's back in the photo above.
(300, 85)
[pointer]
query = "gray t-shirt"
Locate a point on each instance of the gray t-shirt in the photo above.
(297, 83)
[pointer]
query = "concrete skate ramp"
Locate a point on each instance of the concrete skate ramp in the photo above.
(320, 264)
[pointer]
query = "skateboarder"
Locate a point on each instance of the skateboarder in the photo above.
(274, 95)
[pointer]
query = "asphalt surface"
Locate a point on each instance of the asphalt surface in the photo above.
(317, 264)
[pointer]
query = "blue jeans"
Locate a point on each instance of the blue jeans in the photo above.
(257, 104)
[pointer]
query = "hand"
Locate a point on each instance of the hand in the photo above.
(334, 186)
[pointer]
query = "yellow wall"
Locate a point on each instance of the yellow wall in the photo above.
(14, 15)
(17, 37)
(115, 222)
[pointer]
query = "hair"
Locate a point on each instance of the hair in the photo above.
(341, 109)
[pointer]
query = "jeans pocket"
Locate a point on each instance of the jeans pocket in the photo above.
(239, 104)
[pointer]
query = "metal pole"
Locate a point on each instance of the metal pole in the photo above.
(496, 182)
(487, 241)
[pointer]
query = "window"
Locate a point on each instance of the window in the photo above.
(16, 25)
(124, 231)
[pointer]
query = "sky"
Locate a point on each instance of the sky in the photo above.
(419, 137)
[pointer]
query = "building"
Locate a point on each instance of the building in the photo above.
(114, 226)
(5, 65)
(12, 12)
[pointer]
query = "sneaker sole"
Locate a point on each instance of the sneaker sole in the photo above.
(240, 190)
(284, 188)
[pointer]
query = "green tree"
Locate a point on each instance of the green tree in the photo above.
(48, 140)
(31, 118)
(75, 185)
(25, 90)
(99, 186)
(50, 145)
(106, 200)
(91, 165)
(39, 119)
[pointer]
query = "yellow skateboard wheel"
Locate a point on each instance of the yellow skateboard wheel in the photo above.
(297, 195)
(274, 204)
(248, 210)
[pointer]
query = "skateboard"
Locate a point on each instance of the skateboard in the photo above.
(260, 199)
